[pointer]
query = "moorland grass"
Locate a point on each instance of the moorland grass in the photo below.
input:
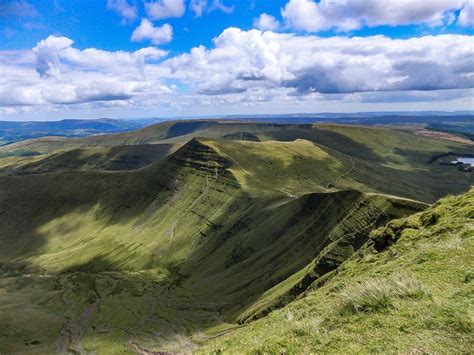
(377, 294)
(179, 252)
(382, 301)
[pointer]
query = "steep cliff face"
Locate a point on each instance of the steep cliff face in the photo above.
(338, 224)
(198, 155)
(408, 287)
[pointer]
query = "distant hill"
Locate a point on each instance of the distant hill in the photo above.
(375, 114)
(12, 131)
(380, 159)
(460, 122)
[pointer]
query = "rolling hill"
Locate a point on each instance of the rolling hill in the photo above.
(160, 241)
(114, 158)
(374, 159)
(13, 131)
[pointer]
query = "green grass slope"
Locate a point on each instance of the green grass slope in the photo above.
(371, 159)
(408, 290)
(142, 260)
(387, 160)
(165, 132)
(120, 157)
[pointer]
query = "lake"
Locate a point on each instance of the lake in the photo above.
(464, 161)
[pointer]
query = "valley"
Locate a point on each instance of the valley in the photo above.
(193, 236)
(231, 177)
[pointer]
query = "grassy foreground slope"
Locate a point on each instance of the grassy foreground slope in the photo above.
(408, 290)
(146, 260)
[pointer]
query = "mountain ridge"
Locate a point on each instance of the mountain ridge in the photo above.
(215, 235)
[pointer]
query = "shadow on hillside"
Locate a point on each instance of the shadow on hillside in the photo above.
(329, 139)
(424, 158)
(115, 158)
(31, 201)
(239, 256)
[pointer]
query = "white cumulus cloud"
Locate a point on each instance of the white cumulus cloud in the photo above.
(345, 15)
(198, 7)
(47, 55)
(242, 70)
(162, 9)
(219, 5)
(201, 6)
(266, 22)
(245, 60)
(127, 11)
(157, 35)
(71, 76)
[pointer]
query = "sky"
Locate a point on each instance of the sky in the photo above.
(184, 58)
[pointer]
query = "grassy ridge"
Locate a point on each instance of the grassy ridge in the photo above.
(144, 259)
(165, 132)
(100, 158)
(385, 160)
(408, 290)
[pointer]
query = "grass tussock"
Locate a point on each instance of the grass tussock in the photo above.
(378, 294)
(302, 324)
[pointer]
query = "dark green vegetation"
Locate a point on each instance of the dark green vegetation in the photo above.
(183, 240)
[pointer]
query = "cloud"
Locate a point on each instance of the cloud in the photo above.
(157, 35)
(18, 8)
(242, 70)
(266, 22)
(201, 6)
(245, 60)
(344, 15)
(466, 16)
(198, 6)
(162, 9)
(47, 55)
(96, 59)
(218, 5)
(127, 11)
(92, 91)
(70, 76)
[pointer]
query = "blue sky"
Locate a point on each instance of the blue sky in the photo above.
(77, 45)
(91, 24)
